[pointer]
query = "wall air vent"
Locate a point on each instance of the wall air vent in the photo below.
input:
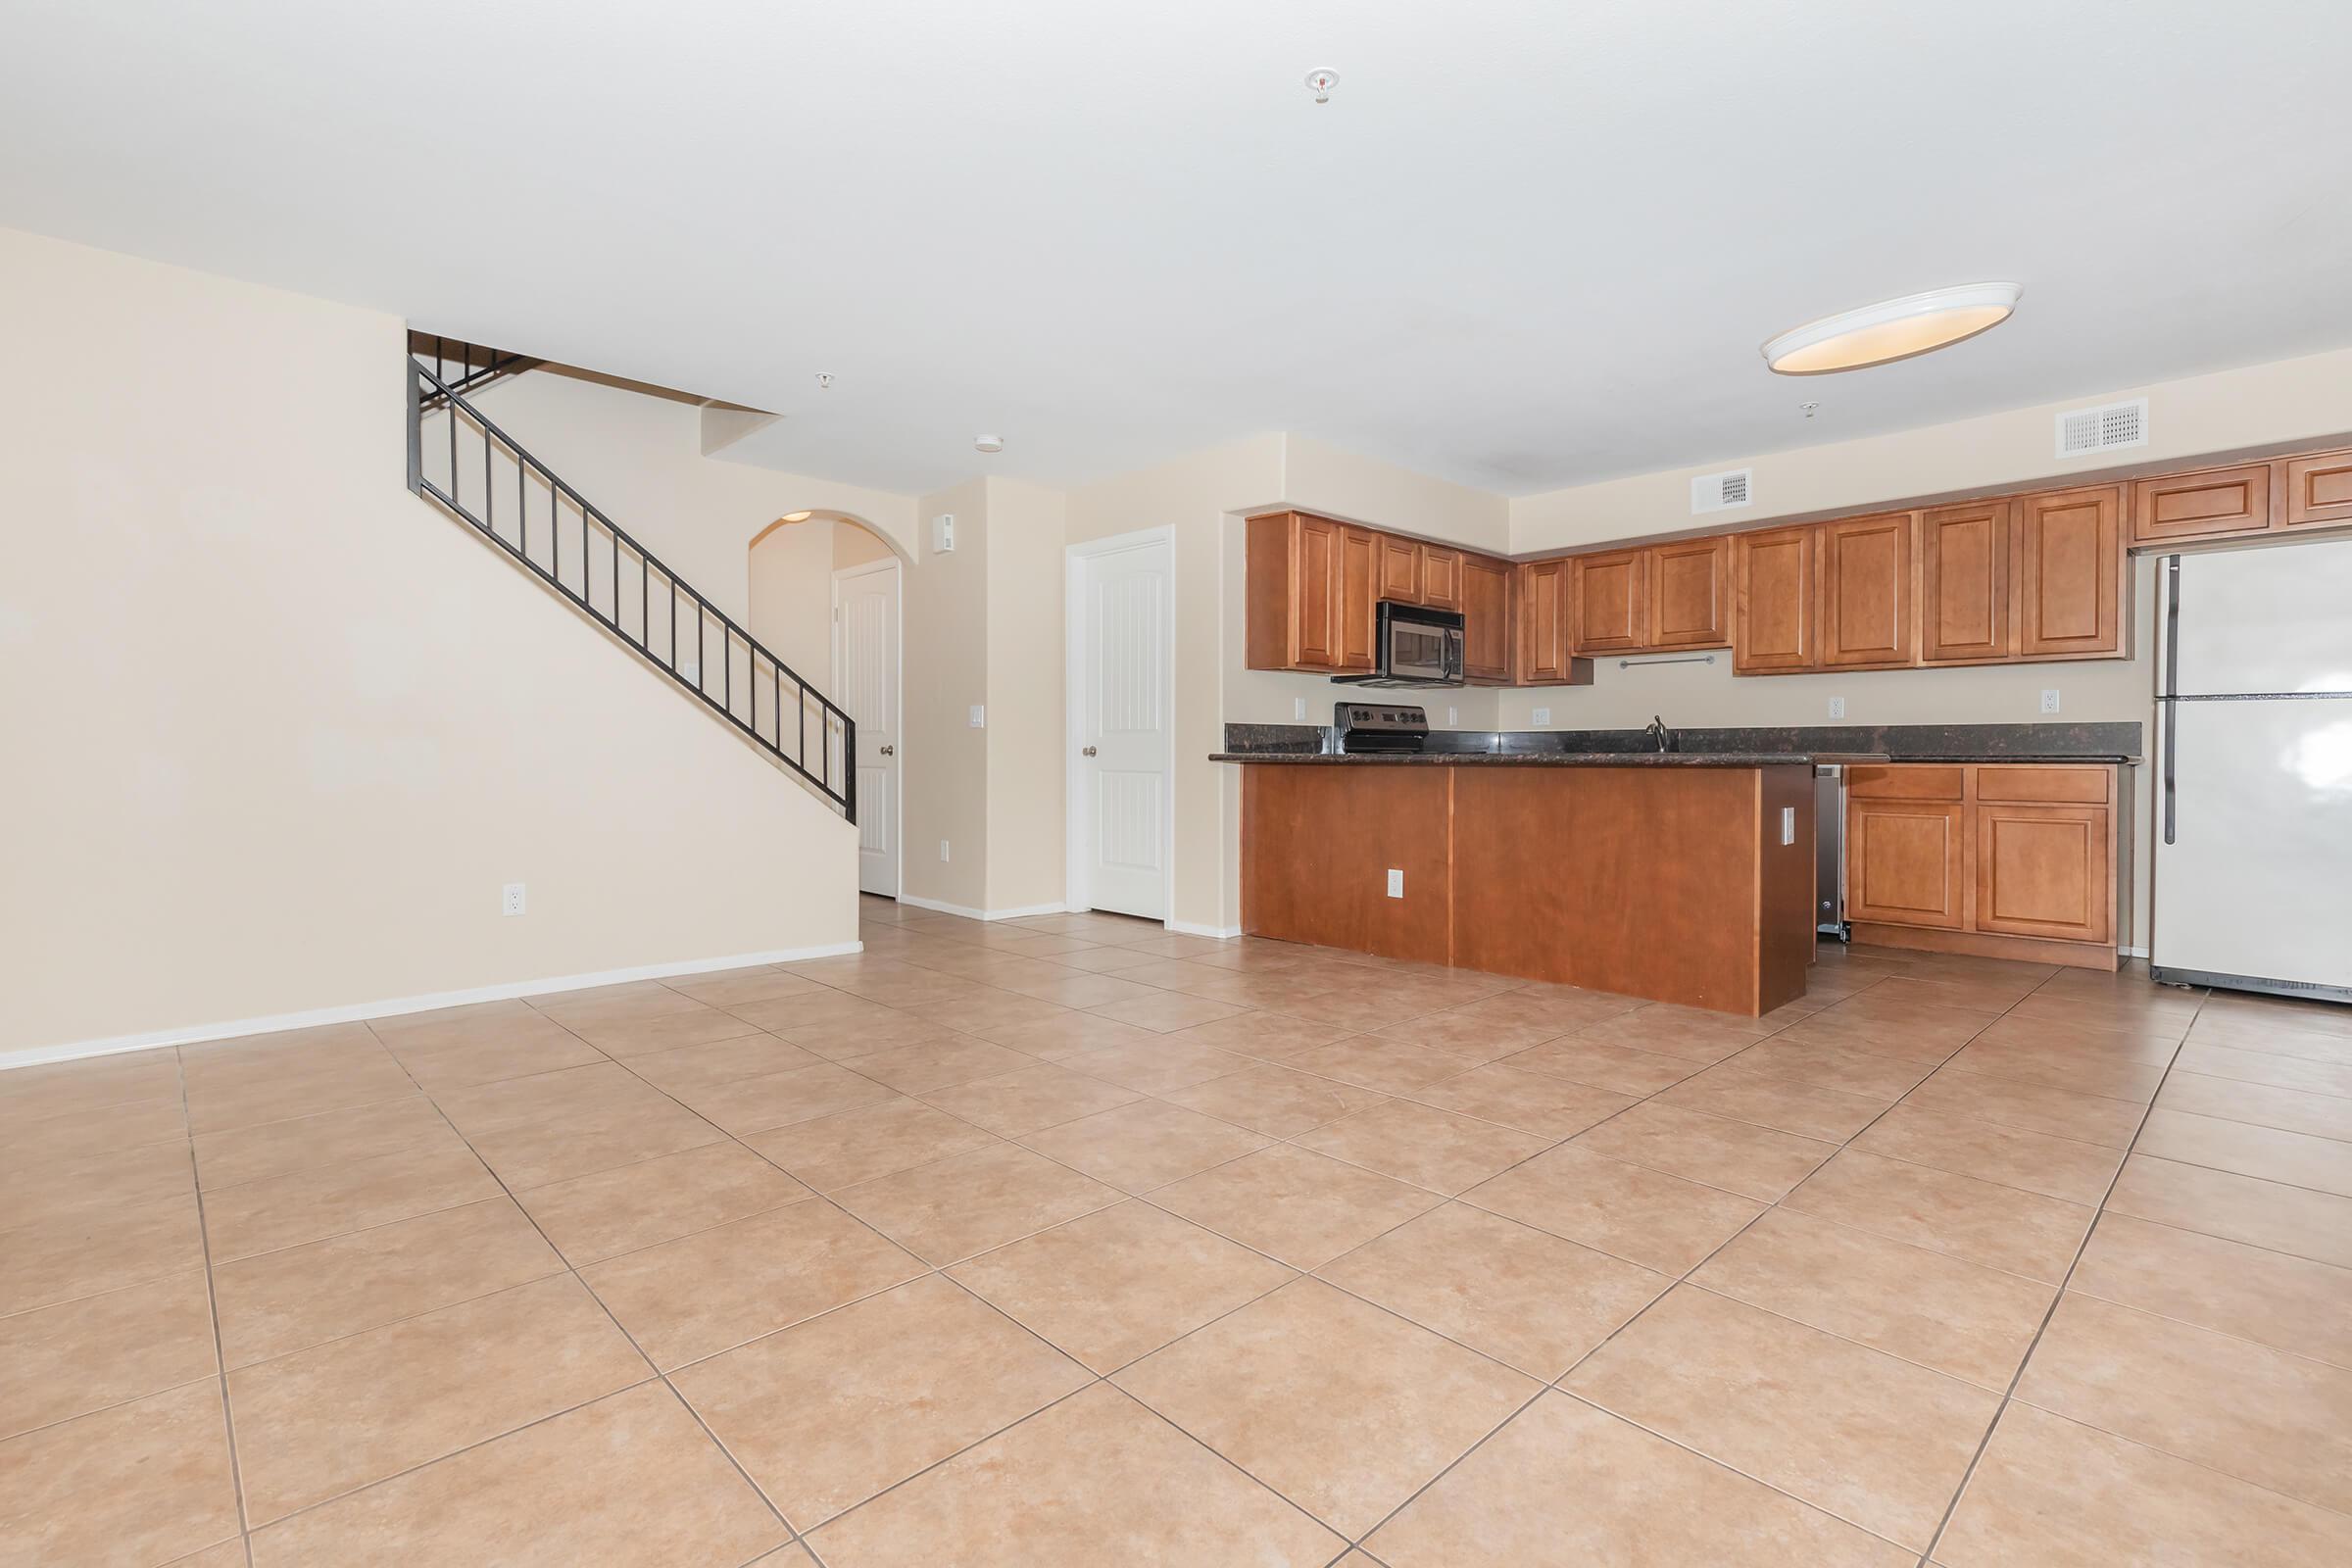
(2108, 427)
(1721, 492)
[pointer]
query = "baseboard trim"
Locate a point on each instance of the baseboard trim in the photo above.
(360, 1011)
(1988, 945)
(1194, 928)
(938, 907)
(2132, 952)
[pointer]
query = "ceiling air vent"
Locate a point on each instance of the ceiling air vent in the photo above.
(2105, 428)
(1721, 492)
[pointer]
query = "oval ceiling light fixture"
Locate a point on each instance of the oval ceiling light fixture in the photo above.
(1891, 330)
(796, 516)
(988, 443)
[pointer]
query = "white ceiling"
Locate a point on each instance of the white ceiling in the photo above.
(1527, 244)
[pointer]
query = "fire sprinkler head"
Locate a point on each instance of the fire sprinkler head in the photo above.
(1320, 81)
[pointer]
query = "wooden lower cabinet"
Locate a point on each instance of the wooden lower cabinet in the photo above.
(2011, 861)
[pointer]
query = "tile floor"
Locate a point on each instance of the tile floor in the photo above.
(1070, 1242)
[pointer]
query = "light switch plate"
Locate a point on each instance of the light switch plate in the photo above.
(1454, 717)
(1396, 883)
(943, 849)
(2049, 698)
(1299, 708)
(979, 716)
(1543, 715)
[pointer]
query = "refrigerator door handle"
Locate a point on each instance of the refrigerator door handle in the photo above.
(2168, 710)
(2168, 714)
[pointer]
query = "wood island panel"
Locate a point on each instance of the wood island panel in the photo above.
(1669, 883)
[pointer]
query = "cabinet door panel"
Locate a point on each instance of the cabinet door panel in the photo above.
(1485, 619)
(1964, 583)
(1867, 617)
(2201, 506)
(2071, 575)
(1689, 594)
(1441, 577)
(1611, 602)
(1314, 593)
(1399, 570)
(1543, 623)
(2319, 490)
(1903, 863)
(1357, 591)
(1772, 577)
(2045, 871)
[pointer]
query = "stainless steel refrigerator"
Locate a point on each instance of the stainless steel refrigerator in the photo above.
(2253, 874)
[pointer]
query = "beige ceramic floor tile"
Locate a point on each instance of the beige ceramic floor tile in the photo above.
(2055, 1167)
(1379, 1062)
(1849, 1072)
(778, 1099)
(1439, 1150)
(1602, 1065)
(324, 1421)
(710, 1292)
(1340, 1406)
(310, 1206)
(282, 1301)
(1737, 1157)
(1276, 1100)
(2055, 1494)
(658, 1199)
(856, 1146)
(1301, 1208)
(970, 1202)
(1982, 1222)
(1645, 1216)
(1531, 1102)
(1683, 1032)
(2274, 1299)
(86, 1253)
(726, 987)
(1472, 1038)
(2323, 1165)
(1876, 1440)
(143, 1482)
(2117, 1072)
(1564, 1485)
(500, 1048)
(2296, 1110)
(2030, 1106)
(95, 1184)
(630, 1479)
(693, 1069)
(936, 1064)
(1267, 1036)
(1740, 1092)
(1524, 1297)
(1143, 1145)
(1954, 1317)
(2276, 1420)
(1158, 1065)
(825, 1414)
(1096, 1480)
(67, 1360)
(2322, 1077)
(1064, 1035)
(1120, 1283)
(1024, 1102)
(2241, 1208)
(308, 1143)
(619, 1132)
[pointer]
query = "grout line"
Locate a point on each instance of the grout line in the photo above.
(228, 1418)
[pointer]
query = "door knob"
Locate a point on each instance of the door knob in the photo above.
(1087, 752)
(890, 751)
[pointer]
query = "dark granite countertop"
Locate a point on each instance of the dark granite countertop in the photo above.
(2094, 743)
(1526, 758)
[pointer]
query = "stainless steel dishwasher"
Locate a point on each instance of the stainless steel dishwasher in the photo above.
(1829, 851)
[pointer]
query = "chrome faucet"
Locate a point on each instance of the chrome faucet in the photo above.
(1660, 737)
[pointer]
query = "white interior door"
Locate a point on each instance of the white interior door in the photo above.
(1123, 704)
(865, 681)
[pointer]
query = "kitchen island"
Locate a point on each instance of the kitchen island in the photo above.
(1679, 877)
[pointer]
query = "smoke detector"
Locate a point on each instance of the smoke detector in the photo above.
(1320, 81)
(988, 443)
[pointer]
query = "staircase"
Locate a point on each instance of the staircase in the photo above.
(477, 473)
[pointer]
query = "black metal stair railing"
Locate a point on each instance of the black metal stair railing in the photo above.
(593, 562)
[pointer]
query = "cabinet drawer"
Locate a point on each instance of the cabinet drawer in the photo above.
(1906, 783)
(2029, 786)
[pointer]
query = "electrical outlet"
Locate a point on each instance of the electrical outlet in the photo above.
(979, 716)
(1396, 883)
(2049, 698)
(943, 849)
(1299, 708)
(1836, 708)
(1454, 717)
(510, 900)
(1543, 715)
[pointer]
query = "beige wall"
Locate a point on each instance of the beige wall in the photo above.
(314, 724)
(1027, 758)
(943, 764)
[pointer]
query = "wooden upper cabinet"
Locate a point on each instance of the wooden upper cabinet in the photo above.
(1441, 577)
(1356, 590)
(2319, 490)
(1774, 584)
(2212, 504)
(1315, 575)
(1964, 556)
(1544, 623)
(1690, 594)
(1399, 570)
(1487, 620)
(1867, 614)
(1611, 601)
(2071, 576)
